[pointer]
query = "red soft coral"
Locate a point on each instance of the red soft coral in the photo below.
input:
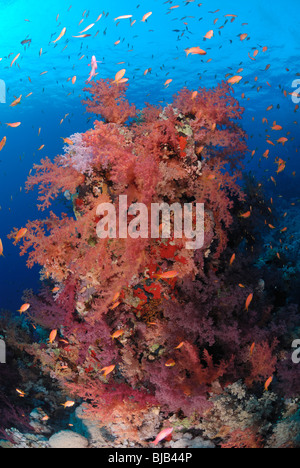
(108, 100)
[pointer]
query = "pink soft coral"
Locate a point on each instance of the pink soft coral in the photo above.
(108, 100)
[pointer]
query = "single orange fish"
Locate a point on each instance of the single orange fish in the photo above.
(195, 51)
(268, 383)
(235, 79)
(16, 58)
(168, 82)
(168, 275)
(68, 141)
(116, 297)
(246, 215)
(146, 16)
(24, 308)
(209, 34)
(13, 125)
(60, 36)
(248, 301)
(107, 370)
(123, 17)
(52, 336)
(163, 435)
(20, 234)
(252, 349)
(282, 140)
(68, 404)
(1, 249)
(2, 143)
(16, 101)
(87, 28)
(266, 154)
(180, 345)
(170, 363)
(232, 259)
(117, 334)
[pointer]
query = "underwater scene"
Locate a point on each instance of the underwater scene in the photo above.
(149, 226)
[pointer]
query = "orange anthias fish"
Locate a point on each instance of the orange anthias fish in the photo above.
(180, 345)
(16, 101)
(24, 308)
(232, 259)
(20, 234)
(235, 79)
(123, 17)
(277, 127)
(60, 36)
(107, 370)
(281, 168)
(1, 249)
(248, 301)
(2, 143)
(52, 336)
(16, 58)
(246, 215)
(168, 275)
(163, 435)
(268, 383)
(252, 349)
(195, 51)
(14, 125)
(68, 141)
(282, 140)
(168, 82)
(146, 16)
(117, 334)
(87, 28)
(68, 404)
(170, 363)
(116, 297)
(209, 34)
(119, 76)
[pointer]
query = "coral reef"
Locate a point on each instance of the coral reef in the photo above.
(129, 338)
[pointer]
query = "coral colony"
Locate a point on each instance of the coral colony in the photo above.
(157, 318)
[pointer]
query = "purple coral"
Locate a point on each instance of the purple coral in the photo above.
(78, 155)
